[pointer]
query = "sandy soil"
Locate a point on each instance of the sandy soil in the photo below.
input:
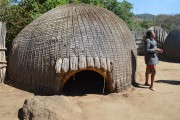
(139, 103)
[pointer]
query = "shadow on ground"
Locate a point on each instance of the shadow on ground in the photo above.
(172, 82)
(20, 114)
(137, 85)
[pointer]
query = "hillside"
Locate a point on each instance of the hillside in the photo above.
(145, 16)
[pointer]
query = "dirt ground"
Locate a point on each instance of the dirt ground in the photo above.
(139, 103)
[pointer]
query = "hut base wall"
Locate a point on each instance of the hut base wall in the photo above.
(110, 86)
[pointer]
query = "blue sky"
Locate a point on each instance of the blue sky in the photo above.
(155, 6)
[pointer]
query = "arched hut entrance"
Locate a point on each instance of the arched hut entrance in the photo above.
(84, 69)
(85, 82)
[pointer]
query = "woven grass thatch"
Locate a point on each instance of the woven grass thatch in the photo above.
(69, 39)
(172, 45)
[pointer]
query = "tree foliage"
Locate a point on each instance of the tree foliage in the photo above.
(17, 14)
(147, 24)
(167, 22)
(121, 9)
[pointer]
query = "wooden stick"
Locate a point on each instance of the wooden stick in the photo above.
(3, 49)
(2, 62)
(3, 66)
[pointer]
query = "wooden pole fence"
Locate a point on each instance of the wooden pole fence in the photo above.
(3, 62)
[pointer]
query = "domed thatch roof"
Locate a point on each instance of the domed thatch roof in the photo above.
(69, 39)
(172, 45)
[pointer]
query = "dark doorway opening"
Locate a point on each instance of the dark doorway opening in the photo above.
(85, 82)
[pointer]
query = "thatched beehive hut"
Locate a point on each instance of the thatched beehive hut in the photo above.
(70, 39)
(172, 45)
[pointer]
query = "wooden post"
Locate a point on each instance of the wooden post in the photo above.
(139, 38)
(3, 62)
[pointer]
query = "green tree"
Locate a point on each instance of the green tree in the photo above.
(121, 9)
(50, 4)
(4, 6)
(147, 24)
(167, 22)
